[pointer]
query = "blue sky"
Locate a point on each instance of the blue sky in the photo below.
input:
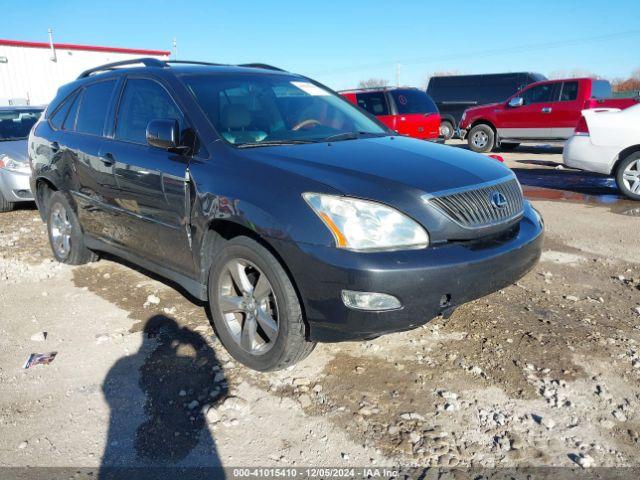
(342, 42)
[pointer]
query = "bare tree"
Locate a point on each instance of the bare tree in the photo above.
(630, 84)
(573, 73)
(373, 83)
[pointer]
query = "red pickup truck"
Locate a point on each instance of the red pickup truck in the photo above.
(408, 111)
(545, 111)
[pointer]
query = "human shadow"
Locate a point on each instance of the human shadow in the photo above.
(158, 397)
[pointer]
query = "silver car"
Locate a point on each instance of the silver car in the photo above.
(15, 125)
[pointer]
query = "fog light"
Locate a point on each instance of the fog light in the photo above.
(370, 301)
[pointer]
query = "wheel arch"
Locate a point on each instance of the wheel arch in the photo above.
(446, 117)
(44, 188)
(624, 154)
(490, 124)
(221, 230)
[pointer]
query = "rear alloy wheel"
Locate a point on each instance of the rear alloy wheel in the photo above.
(65, 234)
(5, 206)
(628, 176)
(446, 130)
(481, 138)
(255, 308)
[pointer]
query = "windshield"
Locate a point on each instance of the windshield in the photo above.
(16, 124)
(413, 101)
(260, 110)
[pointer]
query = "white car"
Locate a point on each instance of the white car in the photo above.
(607, 141)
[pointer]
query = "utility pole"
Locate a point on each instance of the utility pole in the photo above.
(398, 74)
(53, 56)
(175, 48)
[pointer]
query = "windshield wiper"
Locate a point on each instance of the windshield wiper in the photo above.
(271, 143)
(350, 136)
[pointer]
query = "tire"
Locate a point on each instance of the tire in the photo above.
(65, 235)
(5, 206)
(446, 130)
(508, 146)
(232, 310)
(628, 176)
(481, 138)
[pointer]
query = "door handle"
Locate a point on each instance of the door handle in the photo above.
(108, 159)
(546, 110)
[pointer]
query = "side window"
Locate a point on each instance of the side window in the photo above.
(569, 91)
(539, 94)
(57, 119)
(143, 100)
(373, 102)
(93, 108)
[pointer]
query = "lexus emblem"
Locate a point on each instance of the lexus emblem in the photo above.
(498, 200)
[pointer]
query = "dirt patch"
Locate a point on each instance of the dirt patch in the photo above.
(134, 291)
(23, 236)
(517, 376)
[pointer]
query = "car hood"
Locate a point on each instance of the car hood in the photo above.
(397, 171)
(482, 108)
(16, 149)
(377, 167)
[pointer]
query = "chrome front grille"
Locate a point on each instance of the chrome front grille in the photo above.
(482, 206)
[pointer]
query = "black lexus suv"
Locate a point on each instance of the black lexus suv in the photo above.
(297, 216)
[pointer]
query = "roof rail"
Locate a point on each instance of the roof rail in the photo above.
(261, 65)
(147, 62)
(366, 89)
(154, 62)
(193, 62)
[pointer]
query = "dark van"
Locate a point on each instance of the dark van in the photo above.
(454, 94)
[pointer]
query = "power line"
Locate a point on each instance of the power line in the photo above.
(484, 53)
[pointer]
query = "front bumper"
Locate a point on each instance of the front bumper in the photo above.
(15, 186)
(420, 279)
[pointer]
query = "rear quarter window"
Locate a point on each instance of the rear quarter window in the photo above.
(64, 116)
(57, 119)
(413, 101)
(600, 89)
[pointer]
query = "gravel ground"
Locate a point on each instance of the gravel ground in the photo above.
(544, 372)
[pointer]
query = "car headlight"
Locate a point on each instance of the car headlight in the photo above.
(464, 115)
(364, 225)
(13, 165)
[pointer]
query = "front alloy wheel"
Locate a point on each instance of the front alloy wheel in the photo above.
(255, 308)
(248, 305)
(481, 138)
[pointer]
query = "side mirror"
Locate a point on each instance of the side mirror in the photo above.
(516, 102)
(163, 133)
